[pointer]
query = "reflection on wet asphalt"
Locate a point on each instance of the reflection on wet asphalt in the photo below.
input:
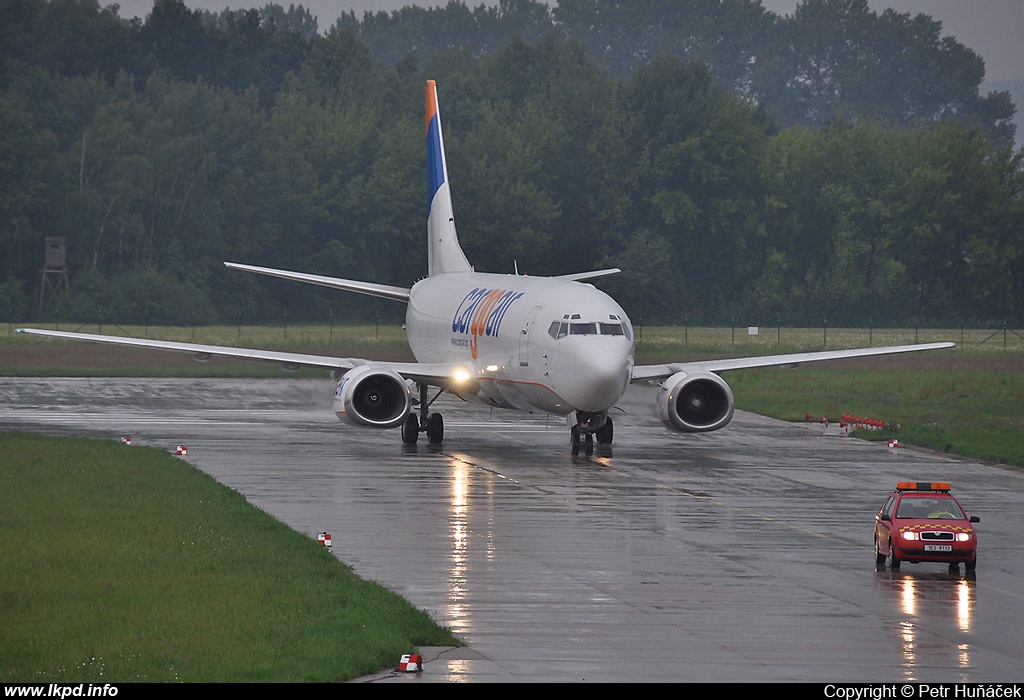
(741, 555)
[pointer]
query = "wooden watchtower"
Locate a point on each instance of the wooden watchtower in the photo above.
(54, 275)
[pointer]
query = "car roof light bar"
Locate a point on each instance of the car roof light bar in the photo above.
(922, 486)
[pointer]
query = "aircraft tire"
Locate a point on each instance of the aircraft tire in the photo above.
(574, 440)
(435, 429)
(410, 430)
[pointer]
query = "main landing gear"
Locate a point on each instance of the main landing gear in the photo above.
(430, 423)
(588, 426)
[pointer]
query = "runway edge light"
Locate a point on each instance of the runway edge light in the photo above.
(410, 663)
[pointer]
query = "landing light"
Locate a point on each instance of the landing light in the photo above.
(462, 375)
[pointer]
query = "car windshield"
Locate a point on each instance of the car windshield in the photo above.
(929, 508)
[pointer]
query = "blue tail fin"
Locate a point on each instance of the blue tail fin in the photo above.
(443, 251)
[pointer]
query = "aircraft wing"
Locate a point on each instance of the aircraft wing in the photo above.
(376, 290)
(654, 372)
(436, 374)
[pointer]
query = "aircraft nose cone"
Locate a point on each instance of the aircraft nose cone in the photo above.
(602, 373)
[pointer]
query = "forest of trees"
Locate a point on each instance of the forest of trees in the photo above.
(837, 165)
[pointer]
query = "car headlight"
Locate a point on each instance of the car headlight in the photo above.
(963, 536)
(910, 535)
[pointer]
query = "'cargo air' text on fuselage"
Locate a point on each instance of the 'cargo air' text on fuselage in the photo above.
(480, 314)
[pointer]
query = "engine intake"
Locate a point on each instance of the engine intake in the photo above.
(374, 396)
(695, 402)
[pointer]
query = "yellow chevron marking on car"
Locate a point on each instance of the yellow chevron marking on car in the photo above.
(953, 528)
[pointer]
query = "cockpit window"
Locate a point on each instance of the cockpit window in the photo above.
(622, 325)
(572, 325)
(583, 329)
(557, 330)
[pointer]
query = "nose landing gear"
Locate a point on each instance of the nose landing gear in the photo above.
(589, 425)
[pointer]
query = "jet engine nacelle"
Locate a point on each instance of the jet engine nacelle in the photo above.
(374, 396)
(695, 402)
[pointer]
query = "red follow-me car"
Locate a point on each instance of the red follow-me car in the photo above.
(921, 521)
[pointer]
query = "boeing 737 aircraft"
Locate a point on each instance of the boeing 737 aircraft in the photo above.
(554, 345)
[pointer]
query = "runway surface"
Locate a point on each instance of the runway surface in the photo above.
(742, 555)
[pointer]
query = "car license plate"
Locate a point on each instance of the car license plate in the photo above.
(938, 548)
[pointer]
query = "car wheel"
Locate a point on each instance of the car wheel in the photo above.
(972, 564)
(879, 557)
(894, 562)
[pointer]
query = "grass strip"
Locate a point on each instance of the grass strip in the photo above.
(971, 413)
(128, 564)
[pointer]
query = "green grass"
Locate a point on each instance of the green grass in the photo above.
(972, 413)
(127, 564)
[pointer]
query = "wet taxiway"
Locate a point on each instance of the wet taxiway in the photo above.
(742, 555)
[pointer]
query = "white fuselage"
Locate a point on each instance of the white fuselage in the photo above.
(533, 343)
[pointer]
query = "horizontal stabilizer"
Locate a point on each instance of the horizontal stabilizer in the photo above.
(578, 276)
(376, 290)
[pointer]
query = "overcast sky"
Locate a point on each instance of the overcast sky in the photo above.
(992, 28)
